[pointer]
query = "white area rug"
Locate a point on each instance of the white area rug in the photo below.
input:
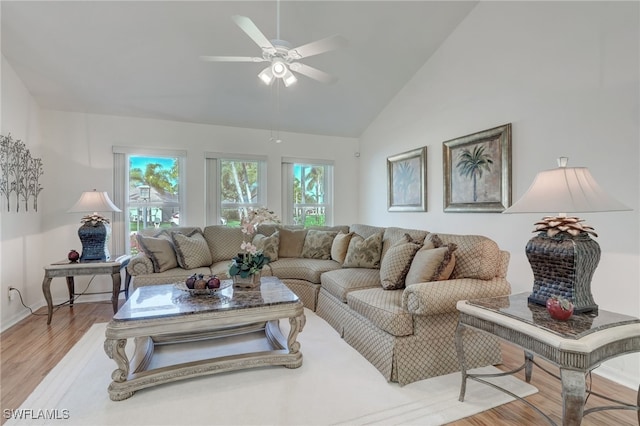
(335, 385)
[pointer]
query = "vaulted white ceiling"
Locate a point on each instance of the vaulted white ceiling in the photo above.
(141, 58)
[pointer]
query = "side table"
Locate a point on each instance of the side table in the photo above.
(69, 270)
(576, 346)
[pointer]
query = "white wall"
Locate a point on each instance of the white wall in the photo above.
(20, 238)
(565, 74)
(78, 157)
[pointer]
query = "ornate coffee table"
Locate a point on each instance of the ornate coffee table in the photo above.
(165, 314)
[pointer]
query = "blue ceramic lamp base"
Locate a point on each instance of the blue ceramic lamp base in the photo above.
(94, 242)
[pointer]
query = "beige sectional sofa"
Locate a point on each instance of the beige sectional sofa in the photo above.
(396, 309)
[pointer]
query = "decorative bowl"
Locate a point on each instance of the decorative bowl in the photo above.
(197, 292)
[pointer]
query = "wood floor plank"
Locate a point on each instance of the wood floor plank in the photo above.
(30, 349)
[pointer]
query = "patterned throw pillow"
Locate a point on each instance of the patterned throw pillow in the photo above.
(269, 245)
(397, 261)
(291, 242)
(317, 244)
(364, 253)
(340, 246)
(192, 250)
(159, 250)
(432, 264)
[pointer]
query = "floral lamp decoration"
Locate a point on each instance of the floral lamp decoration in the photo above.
(245, 269)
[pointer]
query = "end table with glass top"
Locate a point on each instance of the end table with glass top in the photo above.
(576, 346)
(69, 270)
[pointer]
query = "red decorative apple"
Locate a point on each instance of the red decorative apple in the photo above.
(213, 282)
(559, 308)
(190, 282)
(73, 256)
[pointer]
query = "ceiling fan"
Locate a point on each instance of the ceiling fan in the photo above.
(282, 57)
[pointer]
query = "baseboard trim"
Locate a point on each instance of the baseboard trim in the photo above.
(24, 313)
(617, 376)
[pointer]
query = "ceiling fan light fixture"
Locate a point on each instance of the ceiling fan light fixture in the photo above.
(279, 69)
(289, 79)
(266, 76)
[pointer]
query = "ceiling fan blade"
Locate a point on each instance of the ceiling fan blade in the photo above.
(313, 73)
(231, 59)
(317, 47)
(252, 31)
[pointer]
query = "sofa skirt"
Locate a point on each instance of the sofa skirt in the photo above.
(306, 291)
(429, 352)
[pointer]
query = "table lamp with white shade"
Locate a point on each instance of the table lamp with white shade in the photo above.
(562, 255)
(94, 231)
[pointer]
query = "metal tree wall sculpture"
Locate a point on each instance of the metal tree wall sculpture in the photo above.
(19, 173)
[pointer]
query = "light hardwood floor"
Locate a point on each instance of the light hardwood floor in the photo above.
(30, 349)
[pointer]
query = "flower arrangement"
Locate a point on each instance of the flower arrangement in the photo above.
(94, 219)
(251, 260)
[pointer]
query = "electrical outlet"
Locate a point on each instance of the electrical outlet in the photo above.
(12, 293)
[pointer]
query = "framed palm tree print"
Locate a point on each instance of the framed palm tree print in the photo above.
(477, 171)
(407, 181)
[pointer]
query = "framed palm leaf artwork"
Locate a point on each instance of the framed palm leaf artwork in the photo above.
(407, 181)
(477, 171)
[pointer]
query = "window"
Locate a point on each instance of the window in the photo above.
(149, 191)
(307, 192)
(234, 185)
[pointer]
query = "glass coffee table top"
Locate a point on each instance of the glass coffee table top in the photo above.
(166, 300)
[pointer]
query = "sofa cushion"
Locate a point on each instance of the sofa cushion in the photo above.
(336, 228)
(291, 242)
(223, 241)
(364, 252)
(192, 250)
(340, 246)
(341, 281)
(154, 232)
(317, 244)
(383, 308)
(301, 269)
(392, 235)
(396, 263)
(365, 230)
(476, 257)
(270, 228)
(159, 250)
(431, 264)
(269, 245)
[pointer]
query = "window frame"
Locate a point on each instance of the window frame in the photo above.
(121, 231)
(288, 201)
(214, 203)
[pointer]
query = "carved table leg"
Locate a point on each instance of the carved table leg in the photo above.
(71, 286)
(297, 324)
(115, 349)
(46, 290)
(116, 291)
(528, 366)
(461, 360)
(573, 396)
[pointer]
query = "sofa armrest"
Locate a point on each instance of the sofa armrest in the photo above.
(140, 264)
(438, 297)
